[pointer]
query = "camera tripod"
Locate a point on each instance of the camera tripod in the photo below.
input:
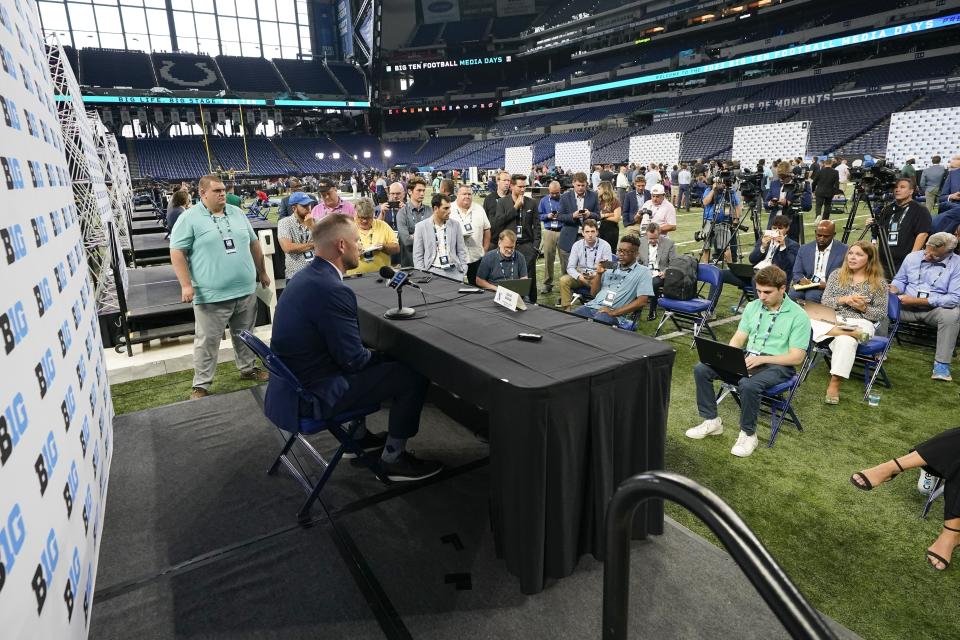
(722, 211)
(879, 233)
(875, 202)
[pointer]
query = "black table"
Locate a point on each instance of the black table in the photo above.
(570, 417)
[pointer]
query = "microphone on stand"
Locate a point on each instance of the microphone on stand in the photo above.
(398, 280)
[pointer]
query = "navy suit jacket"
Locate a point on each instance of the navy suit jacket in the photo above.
(951, 184)
(804, 264)
(568, 206)
(629, 206)
(784, 258)
(317, 335)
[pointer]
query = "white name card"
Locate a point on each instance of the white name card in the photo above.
(509, 299)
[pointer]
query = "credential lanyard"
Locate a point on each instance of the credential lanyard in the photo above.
(513, 266)
(756, 330)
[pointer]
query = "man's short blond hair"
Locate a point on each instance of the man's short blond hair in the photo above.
(332, 228)
(209, 179)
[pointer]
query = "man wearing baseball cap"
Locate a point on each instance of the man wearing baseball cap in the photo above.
(332, 202)
(294, 233)
(659, 209)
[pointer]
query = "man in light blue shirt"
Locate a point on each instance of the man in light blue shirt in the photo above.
(928, 285)
(620, 292)
(218, 261)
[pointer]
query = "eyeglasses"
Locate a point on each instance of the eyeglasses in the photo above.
(621, 250)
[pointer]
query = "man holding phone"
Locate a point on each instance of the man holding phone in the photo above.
(619, 288)
(584, 258)
(576, 206)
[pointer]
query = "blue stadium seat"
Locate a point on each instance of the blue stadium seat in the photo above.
(351, 79)
(308, 76)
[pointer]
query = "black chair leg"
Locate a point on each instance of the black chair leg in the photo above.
(283, 452)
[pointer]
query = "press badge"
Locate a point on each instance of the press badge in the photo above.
(229, 246)
(467, 228)
(923, 295)
(444, 261)
(519, 231)
(815, 279)
(892, 238)
(368, 256)
(308, 255)
(608, 299)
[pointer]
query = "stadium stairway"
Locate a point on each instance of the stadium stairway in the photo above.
(133, 161)
(280, 152)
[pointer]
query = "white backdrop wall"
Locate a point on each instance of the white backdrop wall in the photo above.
(573, 155)
(770, 141)
(922, 134)
(660, 148)
(518, 160)
(56, 414)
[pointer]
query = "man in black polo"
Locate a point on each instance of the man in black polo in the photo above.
(903, 226)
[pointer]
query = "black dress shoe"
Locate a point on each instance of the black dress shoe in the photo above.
(370, 442)
(409, 468)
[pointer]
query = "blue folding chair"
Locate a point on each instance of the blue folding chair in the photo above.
(777, 401)
(341, 426)
(694, 314)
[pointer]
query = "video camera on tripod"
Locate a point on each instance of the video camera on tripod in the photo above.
(873, 185)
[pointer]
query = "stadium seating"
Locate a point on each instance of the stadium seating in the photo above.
(426, 34)
(73, 58)
(264, 157)
(308, 76)
(510, 27)
(116, 68)
(182, 158)
(351, 79)
(250, 74)
(303, 151)
(470, 30)
(180, 71)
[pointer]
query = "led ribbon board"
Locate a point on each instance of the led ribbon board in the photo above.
(243, 102)
(789, 52)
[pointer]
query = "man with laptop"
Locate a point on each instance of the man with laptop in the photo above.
(771, 339)
(502, 264)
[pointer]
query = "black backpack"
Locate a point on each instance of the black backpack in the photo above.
(680, 279)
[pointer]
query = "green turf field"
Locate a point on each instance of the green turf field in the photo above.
(857, 556)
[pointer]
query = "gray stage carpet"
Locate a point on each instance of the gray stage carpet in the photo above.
(200, 543)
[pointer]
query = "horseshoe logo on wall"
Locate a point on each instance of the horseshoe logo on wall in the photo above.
(210, 77)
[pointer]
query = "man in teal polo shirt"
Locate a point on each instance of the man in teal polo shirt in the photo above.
(622, 291)
(217, 259)
(774, 333)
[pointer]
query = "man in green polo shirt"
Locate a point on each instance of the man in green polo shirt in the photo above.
(218, 261)
(774, 332)
(233, 198)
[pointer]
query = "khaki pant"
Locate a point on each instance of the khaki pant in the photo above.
(567, 285)
(210, 321)
(548, 246)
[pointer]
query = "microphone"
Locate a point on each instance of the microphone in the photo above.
(397, 280)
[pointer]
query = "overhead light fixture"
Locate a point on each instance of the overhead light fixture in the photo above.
(336, 156)
(387, 153)
(366, 154)
(320, 156)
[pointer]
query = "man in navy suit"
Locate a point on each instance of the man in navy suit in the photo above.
(816, 261)
(576, 205)
(788, 193)
(317, 335)
(634, 200)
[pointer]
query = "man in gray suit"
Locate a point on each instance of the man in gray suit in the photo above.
(656, 253)
(816, 261)
(438, 245)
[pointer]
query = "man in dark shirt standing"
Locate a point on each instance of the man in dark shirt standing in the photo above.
(490, 202)
(826, 183)
(317, 335)
(517, 212)
(903, 227)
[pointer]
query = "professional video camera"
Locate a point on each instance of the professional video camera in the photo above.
(751, 185)
(726, 176)
(876, 179)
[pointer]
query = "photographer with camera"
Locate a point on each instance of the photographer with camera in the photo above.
(775, 247)
(659, 210)
(902, 225)
(788, 195)
(721, 216)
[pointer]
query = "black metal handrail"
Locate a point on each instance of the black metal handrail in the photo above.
(799, 618)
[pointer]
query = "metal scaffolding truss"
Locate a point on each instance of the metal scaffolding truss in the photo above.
(90, 193)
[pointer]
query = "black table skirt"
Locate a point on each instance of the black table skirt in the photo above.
(570, 417)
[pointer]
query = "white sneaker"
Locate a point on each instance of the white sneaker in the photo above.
(706, 428)
(745, 445)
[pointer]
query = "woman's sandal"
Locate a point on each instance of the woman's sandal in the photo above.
(937, 558)
(866, 485)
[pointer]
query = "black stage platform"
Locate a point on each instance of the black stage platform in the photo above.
(200, 543)
(150, 244)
